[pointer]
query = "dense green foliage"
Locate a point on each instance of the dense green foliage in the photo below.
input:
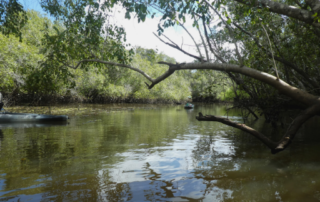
(26, 68)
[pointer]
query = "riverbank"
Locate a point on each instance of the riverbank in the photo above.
(37, 100)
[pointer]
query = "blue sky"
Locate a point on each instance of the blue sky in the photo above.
(31, 4)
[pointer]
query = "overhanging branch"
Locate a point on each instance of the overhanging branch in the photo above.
(283, 87)
(115, 64)
(171, 70)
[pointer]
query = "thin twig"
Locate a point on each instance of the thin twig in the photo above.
(274, 62)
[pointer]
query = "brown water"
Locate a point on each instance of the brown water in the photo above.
(152, 153)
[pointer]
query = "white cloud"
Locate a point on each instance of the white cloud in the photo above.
(141, 34)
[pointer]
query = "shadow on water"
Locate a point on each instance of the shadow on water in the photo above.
(31, 125)
(154, 153)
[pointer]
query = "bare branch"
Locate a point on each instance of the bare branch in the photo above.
(282, 86)
(195, 43)
(274, 146)
(204, 44)
(296, 124)
(242, 127)
(162, 77)
(230, 30)
(171, 70)
(115, 64)
(274, 62)
(210, 47)
(178, 48)
(169, 40)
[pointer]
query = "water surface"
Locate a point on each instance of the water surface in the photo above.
(124, 152)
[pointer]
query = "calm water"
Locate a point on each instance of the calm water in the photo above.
(153, 153)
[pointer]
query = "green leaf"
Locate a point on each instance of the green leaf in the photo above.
(229, 21)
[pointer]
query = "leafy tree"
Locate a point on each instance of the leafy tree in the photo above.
(16, 59)
(26, 69)
(12, 17)
(251, 30)
(33, 33)
(208, 85)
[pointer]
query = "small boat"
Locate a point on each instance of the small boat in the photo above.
(8, 117)
(188, 106)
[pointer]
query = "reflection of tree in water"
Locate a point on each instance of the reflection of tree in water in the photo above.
(160, 188)
(152, 188)
(108, 190)
(119, 192)
(252, 176)
(65, 182)
(70, 170)
(47, 164)
(47, 155)
(207, 163)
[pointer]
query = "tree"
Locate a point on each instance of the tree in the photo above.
(12, 17)
(262, 28)
(240, 60)
(25, 72)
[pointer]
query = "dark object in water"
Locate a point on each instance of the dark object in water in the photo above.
(178, 103)
(8, 117)
(188, 106)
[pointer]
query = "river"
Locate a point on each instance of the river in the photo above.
(127, 152)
